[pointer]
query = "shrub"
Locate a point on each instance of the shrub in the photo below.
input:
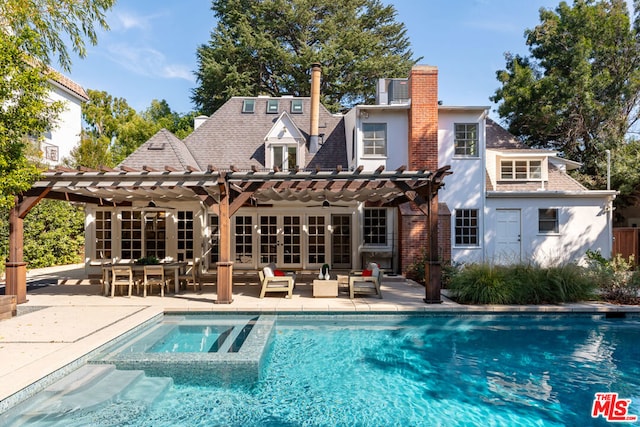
(615, 278)
(521, 284)
(481, 284)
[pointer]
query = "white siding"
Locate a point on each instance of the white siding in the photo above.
(582, 225)
(465, 188)
(65, 134)
(397, 137)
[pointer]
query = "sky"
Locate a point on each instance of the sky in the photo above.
(150, 50)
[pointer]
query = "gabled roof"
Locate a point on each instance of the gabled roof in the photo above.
(69, 85)
(284, 128)
(231, 137)
(162, 149)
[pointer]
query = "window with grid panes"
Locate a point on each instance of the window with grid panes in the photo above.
(374, 139)
(131, 235)
(466, 229)
(317, 244)
(521, 170)
(155, 234)
(244, 239)
(214, 252)
(103, 235)
(185, 235)
(375, 226)
(466, 139)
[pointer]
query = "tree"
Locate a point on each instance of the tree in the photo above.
(113, 129)
(267, 47)
(55, 21)
(33, 31)
(26, 113)
(578, 90)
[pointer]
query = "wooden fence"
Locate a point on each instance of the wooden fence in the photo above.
(625, 242)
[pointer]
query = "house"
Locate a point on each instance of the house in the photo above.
(64, 135)
(283, 180)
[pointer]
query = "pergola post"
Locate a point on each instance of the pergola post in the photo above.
(225, 265)
(432, 268)
(16, 268)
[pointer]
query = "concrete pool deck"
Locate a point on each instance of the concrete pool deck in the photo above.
(61, 324)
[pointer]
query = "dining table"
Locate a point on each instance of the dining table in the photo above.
(170, 268)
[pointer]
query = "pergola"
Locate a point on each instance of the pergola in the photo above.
(223, 192)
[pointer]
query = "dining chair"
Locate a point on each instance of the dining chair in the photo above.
(153, 275)
(191, 275)
(121, 275)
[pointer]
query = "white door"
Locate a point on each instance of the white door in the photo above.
(280, 240)
(508, 235)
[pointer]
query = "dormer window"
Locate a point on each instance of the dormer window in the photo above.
(520, 170)
(272, 106)
(285, 157)
(296, 106)
(248, 105)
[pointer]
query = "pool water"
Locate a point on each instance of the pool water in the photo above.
(412, 371)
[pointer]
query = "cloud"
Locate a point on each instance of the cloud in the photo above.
(146, 61)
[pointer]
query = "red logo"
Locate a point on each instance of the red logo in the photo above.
(612, 409)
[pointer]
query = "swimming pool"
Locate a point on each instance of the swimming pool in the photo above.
(381, 370)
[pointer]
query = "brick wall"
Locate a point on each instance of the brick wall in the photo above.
(423, 118)
(423, 154)
(414, 234)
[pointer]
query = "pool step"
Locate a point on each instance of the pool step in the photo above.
(76, 395)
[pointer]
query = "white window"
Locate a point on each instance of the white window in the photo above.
(374, 139)
(248, 105)
(185, 235)
(103, 235)
(316, 229)
(131, 235)
(285, 157)
(548, 221)
(466, 228)
(243, 244)
(375, 226)
(466, 139)
(520, 170)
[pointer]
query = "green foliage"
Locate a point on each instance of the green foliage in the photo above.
(267, 47)
(521, 284)
(617, 280)
(53, 234)
(58, 23)
(114, 130)
(148, 260)
(26, 111)
(578, 90)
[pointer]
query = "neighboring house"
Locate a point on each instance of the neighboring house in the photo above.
(64, 135)
(283, 180)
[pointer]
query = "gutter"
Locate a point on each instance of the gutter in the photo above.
(553, 194)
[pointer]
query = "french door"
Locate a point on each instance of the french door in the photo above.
(280, 240)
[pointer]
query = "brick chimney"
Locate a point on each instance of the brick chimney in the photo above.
(315, 108)
(423, 118)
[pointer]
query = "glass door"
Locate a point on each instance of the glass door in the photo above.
(280, 240)
(341, 241)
